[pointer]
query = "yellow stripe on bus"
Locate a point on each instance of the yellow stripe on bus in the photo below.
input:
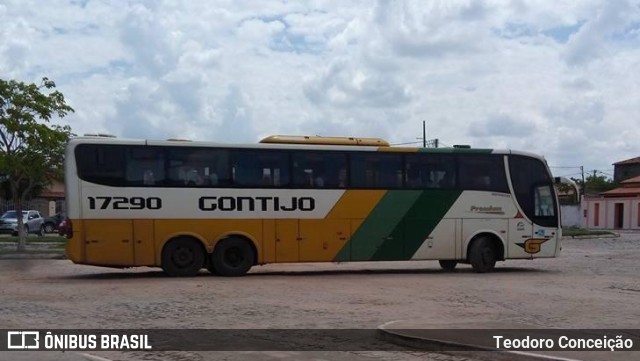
(126, 242)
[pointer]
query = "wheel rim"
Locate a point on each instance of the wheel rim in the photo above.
(234, 257)
(183, 257)
(48, 228)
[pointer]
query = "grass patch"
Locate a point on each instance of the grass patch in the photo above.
(33, 254)
(577, 232)
(35, 238)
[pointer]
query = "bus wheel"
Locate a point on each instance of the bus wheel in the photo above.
(182, 257)
(482, 255)
(448, 264)
(232, 257)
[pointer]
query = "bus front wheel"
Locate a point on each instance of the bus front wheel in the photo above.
(182, 257)
(232, 257)
(482, 255)
(448, 264)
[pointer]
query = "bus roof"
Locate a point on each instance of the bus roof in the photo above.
(292, 145)
(318, 140)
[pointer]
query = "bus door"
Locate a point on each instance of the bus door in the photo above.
(534, 192)
(109, 242)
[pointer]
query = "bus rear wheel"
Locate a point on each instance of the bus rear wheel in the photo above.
(182, 257)
(482, 255)
(232, 257)
(448, 264)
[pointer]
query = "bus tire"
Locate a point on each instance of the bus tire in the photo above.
(182, 257)
(232, 257)
(448, 264)
(482, 255)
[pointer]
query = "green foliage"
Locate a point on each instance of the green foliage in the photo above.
(581, 232)
(595, 184)
(31, 149)
(35, 239)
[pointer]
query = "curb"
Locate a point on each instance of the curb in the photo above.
(32, 255)
(91, 357)
(403, 338)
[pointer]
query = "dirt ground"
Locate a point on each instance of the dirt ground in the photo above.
(594, 284)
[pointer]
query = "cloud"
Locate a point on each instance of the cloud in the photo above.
(553, 78)
(434, 29)
(590, 42)
(343, 85)
(501, 125)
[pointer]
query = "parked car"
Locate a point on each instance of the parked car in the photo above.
(32, 222)
(50, 224)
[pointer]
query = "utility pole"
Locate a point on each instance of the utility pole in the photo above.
(583, 185)
(424, 134)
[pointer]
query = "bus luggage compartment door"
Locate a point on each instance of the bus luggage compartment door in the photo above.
(109, 242)
(322, 239)
(287, 240)
(144, 245)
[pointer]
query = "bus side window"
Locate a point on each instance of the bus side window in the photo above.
(266, 177)
(148, 177)
(213, 179)
(313, 169)
(342, 178)
(145, 166)
(260, 168)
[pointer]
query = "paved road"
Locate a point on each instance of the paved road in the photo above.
(594, 284)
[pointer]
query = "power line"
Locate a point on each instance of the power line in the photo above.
(416, 142)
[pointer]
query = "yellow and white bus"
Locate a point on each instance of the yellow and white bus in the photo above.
(184, 205)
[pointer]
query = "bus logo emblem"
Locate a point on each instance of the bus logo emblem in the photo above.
(532, 245)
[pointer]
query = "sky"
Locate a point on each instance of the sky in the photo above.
(558, 78)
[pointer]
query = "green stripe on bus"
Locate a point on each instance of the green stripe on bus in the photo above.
(377, 227)
(419, 221)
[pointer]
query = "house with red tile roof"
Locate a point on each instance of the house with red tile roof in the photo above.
(618, 208)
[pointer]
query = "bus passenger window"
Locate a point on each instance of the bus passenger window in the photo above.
(266, 177)
(145, 166)
(148, 178)
(342, 178)
(259, 168)
(318, 169)
(213, 179)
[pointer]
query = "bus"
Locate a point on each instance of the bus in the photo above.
(185, 206)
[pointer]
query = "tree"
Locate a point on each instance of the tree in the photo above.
(31, 149)
(595, 183)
